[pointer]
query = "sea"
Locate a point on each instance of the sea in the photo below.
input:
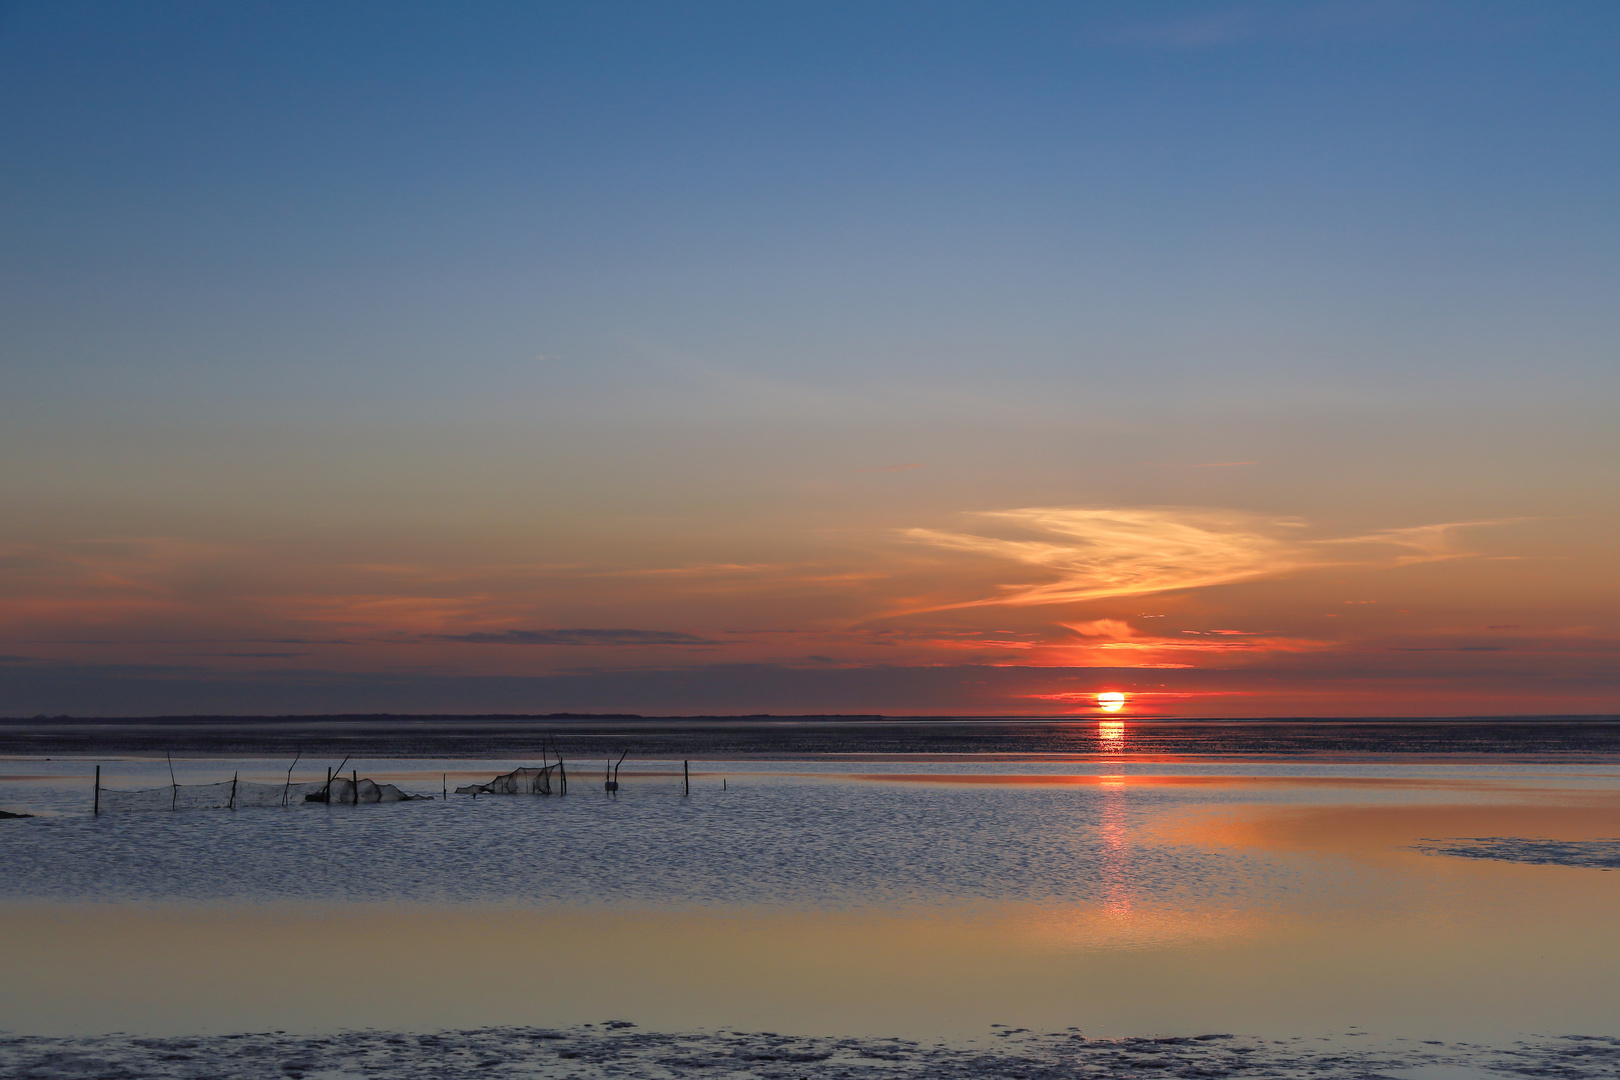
(815, 897)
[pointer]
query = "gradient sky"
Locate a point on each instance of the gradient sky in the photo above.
(1247, 358)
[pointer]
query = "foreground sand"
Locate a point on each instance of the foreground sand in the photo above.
(617, 1049)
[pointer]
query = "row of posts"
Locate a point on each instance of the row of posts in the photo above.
(354, 779)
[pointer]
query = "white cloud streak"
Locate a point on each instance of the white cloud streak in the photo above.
(1094, 553)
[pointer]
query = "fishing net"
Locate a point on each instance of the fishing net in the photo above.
(368, 791)
(529, 781)
(239, 794)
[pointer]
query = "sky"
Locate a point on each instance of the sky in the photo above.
(1244, 359)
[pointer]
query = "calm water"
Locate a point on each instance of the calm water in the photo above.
(922, 895)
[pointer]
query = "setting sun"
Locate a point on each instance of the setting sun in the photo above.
(1112, 701)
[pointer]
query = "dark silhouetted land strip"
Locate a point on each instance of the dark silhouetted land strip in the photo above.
(1571, 738)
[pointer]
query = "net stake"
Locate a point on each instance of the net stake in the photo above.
(232, 805)
(686, 776)
(286, 792)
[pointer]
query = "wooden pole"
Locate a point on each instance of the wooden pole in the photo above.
(174, 788)
(342, 763)
(95, 807)
(286, 792)
(354, 778)
(563, 771)
(232, 806)
(686, 773)
(444, 782)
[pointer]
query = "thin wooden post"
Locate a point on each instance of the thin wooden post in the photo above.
(95, 808)
(286, 792)
(354, 778)
(444, 782)
(562, 770)
(686, 773)
(232, 805)
(174, 788)
(342, 763)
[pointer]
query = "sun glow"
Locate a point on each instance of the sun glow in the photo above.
(1111, 701)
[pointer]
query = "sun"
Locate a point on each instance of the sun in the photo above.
(1111, 701)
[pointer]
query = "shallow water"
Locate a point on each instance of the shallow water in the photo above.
(926, 897)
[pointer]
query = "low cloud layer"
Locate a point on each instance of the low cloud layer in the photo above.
(577, 637)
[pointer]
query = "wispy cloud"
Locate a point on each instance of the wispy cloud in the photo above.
(1093, 553)
(1208, 29)
(1420, 543)
(577, 637)
(1101, 552)
(1116, 634)
(1278, 20)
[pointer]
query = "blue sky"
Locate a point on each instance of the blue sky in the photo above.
(542, 283)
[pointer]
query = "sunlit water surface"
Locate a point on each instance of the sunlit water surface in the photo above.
(930, 897)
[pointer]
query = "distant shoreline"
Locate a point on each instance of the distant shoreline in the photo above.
(582, 735)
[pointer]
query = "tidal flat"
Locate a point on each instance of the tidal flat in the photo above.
(1227, 911)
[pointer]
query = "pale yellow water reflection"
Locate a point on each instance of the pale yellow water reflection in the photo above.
(1416, 945)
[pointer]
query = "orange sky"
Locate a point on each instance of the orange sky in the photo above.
(1187, 610)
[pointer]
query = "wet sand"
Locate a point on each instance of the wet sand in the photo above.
(618, 1049)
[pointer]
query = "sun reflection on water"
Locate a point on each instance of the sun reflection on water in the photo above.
(1115, 849)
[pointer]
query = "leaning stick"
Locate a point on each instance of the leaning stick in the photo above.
(174, 788)
(342, 763)
(286, 792)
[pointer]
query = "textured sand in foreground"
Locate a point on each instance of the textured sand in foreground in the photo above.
(617, 1049)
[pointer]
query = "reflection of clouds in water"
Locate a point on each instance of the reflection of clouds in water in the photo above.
(1124, 915)
(1141, 927)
